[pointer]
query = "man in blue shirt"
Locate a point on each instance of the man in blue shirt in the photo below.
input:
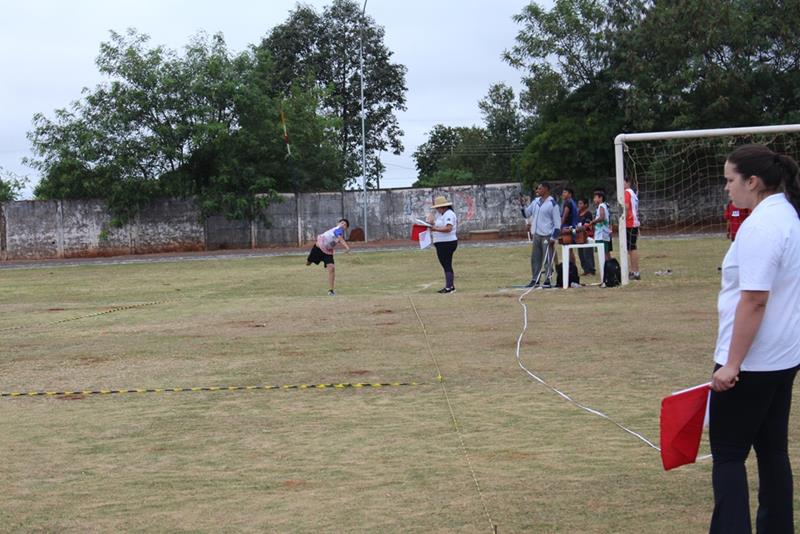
(545, 217)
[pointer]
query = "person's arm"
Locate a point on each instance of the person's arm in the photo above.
(527, 211)
(601, 215)
(565, 214)
(746, 322)
(556, 223)
(341, 240)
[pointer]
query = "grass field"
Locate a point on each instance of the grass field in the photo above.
(373, 459)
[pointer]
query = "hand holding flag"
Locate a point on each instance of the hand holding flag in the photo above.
(682, 417)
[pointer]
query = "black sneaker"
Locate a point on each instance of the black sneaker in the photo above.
(331, 293)
(547, 285)
(532, 283)
(447, 290)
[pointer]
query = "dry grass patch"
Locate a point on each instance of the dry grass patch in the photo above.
(354, 460)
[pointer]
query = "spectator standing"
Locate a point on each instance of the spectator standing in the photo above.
(569, 215)
(734, 218)
(545, 218)
(586, 255)
(757, 352)
(632, 228)
(602, 222)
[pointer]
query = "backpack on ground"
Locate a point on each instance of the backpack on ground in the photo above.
(612, 273)
(573, 275)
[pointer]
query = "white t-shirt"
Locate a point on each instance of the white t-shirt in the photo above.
(442, 220)
(602, 228)
(327, 241)
(764, 257)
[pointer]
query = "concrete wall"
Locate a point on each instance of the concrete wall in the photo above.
(72, 228)
(78, 228)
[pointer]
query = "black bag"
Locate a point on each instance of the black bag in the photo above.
(573, 275)
(612, 273)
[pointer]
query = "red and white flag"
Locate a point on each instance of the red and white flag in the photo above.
(682, 418)
(416, 230)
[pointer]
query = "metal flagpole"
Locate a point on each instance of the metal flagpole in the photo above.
(363, 129)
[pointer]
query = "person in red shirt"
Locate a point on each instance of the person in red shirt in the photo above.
(632, 228)
(735, 217)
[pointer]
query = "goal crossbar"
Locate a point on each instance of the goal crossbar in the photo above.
(619, 154)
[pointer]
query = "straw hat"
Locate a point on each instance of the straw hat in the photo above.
(441, 202)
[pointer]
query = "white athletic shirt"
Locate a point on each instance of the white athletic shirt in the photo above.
(602, 228)
(764, 257)
(327, 241)
(632, 218)
(442, 220)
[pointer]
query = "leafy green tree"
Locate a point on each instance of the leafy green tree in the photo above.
(447, 177)
(700, 64)
(504, 129)
(203, 125)
(594, 68)
(11, 185)
(321, 50)
(452, 154)
(559, 50)
(442, 141)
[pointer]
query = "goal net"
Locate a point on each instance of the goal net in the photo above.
(679, 176)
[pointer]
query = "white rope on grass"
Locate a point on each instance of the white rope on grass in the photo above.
(561, 393)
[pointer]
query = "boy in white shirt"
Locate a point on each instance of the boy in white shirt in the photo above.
(322, 251)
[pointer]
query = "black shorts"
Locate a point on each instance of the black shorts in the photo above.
(632, 234)
(316, 255)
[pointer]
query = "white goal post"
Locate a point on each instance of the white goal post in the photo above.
(622, 141)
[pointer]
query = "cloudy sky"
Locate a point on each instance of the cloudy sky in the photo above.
(452, 49)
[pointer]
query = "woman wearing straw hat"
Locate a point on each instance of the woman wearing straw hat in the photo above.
(443, 235)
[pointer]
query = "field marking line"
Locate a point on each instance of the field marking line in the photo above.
(339, 385)
(453, 417)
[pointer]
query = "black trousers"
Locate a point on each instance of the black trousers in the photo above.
(754, 413)
(445, 251)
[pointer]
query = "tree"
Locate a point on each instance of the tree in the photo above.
(11, 185)
(504, 129)
(708, 64)
(203, 125)
(597, 68)
(453, 155)
(313, 50)
(559, 50)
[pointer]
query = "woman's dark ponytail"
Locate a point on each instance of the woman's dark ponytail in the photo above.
(778, 172)
(791, 182)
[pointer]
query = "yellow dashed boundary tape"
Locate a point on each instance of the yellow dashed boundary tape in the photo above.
(89, 316)
(207, 388)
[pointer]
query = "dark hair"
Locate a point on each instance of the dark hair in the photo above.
(777, 171)
(570, 191)
(345, 221)
(546, 185)
(601, 194)
(584, 200)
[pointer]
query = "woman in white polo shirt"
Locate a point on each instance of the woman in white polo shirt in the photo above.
(443, 235)
(758, 345)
